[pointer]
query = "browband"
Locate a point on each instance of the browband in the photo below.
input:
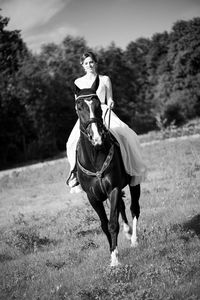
(83, 96)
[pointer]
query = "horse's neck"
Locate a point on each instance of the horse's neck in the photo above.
(90, 156)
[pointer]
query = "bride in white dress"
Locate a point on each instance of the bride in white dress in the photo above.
(126, 137)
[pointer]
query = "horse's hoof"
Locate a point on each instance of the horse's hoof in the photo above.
(127, 231)
(115, 264)
(134, 244)
(114, 259)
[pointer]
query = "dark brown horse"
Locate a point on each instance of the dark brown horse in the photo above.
(101, 171)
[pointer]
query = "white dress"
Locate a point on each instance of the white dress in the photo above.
(126, 137)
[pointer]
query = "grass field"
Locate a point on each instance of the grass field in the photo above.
(52, 247)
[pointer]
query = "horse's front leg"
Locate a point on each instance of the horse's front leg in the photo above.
(114, 224)
(100, 210)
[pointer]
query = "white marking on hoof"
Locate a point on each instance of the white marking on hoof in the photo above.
(114, 258)
(134, 242)
(127, 231)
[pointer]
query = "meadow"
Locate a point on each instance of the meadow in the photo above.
(52, 246)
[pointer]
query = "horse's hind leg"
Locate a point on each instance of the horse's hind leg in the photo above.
(100, 210)
(135, 211)
(126, 228)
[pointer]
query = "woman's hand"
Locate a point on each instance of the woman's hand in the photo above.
(111, 103)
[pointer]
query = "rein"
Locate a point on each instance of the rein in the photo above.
(109, 114)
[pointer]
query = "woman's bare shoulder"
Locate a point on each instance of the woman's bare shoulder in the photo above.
(78, 80)
(104, 78)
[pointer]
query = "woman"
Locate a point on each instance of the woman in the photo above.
(126, 137)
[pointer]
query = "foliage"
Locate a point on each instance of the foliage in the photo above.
(112, 63)
(151, 77)
(14, 125)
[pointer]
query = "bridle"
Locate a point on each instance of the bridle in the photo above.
(100, 125)
(104, 133)
(98, 121)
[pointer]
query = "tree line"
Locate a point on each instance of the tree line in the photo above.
(153, 78)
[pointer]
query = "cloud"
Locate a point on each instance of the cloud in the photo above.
(26, 14)
(33, 18)
(34, 42)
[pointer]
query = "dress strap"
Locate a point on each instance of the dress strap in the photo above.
(95, 84)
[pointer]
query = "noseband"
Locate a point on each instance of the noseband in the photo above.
(94, 120)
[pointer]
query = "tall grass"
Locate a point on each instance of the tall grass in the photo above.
(52, 247)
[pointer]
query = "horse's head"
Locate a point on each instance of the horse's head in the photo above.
(88, 108)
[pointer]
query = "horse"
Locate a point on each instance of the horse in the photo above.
(101, 172)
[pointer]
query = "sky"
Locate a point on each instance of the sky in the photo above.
(99, 22)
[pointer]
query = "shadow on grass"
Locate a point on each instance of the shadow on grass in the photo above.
(28, 240)
(5, 257)
(193, 224)
(88, 231)
(188, 229)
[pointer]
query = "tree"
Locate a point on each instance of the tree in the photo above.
(184, 53)
(47, 82)
(13, 122)
(135, 56)
(63, 64)
(112, 63)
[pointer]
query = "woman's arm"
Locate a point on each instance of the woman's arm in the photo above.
(75, 87)
(109, 94)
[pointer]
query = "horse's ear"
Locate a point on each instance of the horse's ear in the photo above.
(95, 84)
(76, 89)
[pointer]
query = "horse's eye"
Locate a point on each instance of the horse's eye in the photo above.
(79, 106)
